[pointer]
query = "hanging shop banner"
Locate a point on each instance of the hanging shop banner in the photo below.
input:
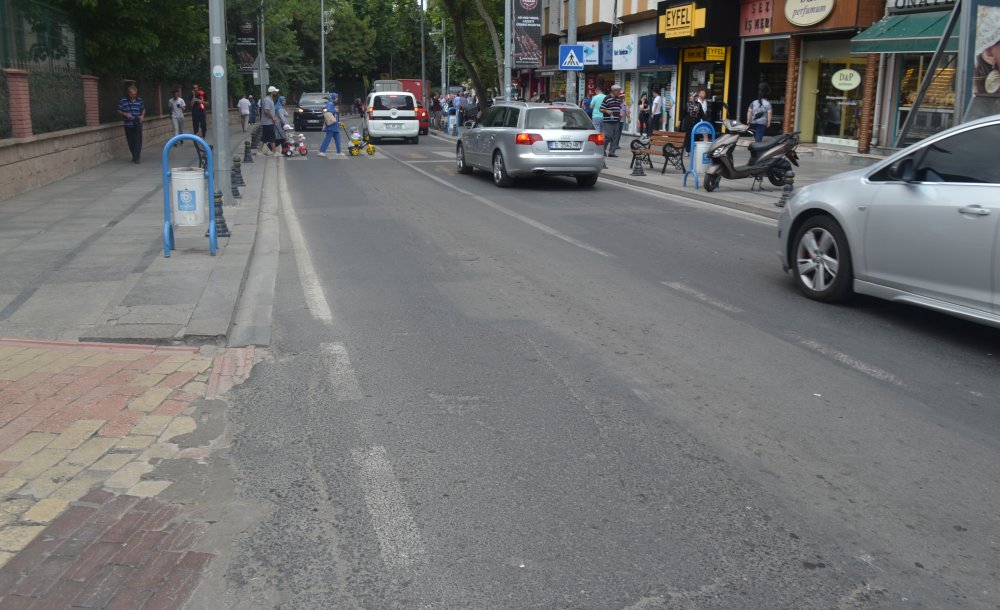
(755, 17)
(527, 33)
(625, 51)
(591, 52)
(246, 47)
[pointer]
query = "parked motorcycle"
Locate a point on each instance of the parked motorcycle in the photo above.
(770, 158)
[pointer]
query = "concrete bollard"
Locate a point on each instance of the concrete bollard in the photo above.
(221, 230)
(238, 170)
(247, 157)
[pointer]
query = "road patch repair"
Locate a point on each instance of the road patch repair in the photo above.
(90, 435)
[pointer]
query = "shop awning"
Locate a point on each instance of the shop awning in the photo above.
(917, 33)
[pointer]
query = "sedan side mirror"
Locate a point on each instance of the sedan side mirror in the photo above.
(905, 171)
(469, 124)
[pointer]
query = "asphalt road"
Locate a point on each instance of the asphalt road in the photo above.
(554, 397)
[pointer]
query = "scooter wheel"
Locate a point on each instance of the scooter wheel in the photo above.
(712, 182)
(303, 152)
(371, 149)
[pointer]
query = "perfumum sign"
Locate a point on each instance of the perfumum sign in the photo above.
(805, 13)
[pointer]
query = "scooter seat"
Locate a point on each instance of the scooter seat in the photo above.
(758, 147)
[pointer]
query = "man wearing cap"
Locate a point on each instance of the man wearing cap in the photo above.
(198, 115)
(267, 118)
(611, 108)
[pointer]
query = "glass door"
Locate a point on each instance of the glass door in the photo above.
(838, 111)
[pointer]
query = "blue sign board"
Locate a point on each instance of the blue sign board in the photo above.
(571, 57)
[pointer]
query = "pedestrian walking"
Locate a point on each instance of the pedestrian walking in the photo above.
(656, 115)
(199, 116)
(611, 108)
(267, 118)
(595, 113)
(177, 106)
(244, 106)
(282, 124)
(331, 125)
(133, 111)
(759, 113)
(697, 111)
(644, 114)
(253, 109)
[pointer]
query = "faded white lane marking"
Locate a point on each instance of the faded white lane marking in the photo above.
(701, 296)
(499, 208)
(342, 377)
(398, 539)
(848, 360)
(315, 297)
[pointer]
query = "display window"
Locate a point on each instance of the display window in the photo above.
(937, 111)
(838, 101)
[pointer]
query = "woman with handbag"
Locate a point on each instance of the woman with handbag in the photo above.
(331, 125)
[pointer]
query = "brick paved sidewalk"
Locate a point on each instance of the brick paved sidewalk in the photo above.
(81, 429)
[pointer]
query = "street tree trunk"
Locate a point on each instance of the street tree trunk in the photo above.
(497, 51)
(458, 22)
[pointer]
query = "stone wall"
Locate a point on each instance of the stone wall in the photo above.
(27, 163)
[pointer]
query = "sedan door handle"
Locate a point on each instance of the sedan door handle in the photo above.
(974, 209)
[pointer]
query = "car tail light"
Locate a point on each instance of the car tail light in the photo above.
(527, 138)
(371, 113)
(596, 138)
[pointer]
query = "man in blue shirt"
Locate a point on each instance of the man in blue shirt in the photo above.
(133, 111)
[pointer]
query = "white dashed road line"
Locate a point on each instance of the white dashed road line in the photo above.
(342, 377)
(315, 297)
(701, 296)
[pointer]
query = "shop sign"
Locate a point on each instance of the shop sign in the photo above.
(755, 17)
(846, 79)
(696, 54)
(912, 6)
(805, 13)
(591, 52)
(715, 53)
(527, 47)
(625, 50)
(681, 21)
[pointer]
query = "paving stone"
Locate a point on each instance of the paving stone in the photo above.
(70, 521)
(180, 425)
(129, 599)
(76, 489)
(152, 424)
(152, 575)
(29, 444)
(103, 587)
(42, 578)
(5, 557)
(91, 451)
(148, 379)
(134, 442)
(9, 485)
(128, 476)
(45, 511)
(35, 465)
(150, 399)
(77, 433)
(112, 462)
(121, 424)
(13, 538)
(93, 558)
(53, 479)
(60, 595)
(139, 549)
(159, 451)
(148, 489)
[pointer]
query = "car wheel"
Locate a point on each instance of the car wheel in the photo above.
(712, 181)
(586, 179)
(460, 164)
(500, 176)
(822, 260)
(415, 140)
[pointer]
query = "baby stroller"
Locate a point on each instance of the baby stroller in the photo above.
(356, 143)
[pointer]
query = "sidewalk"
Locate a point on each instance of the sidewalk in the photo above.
(814, 165)
(83, 257)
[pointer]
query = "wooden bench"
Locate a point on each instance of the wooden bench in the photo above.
(666, 144)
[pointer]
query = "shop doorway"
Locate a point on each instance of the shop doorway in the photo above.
(832, 96)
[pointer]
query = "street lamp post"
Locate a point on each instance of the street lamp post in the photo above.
(322, 45)
(423, 59)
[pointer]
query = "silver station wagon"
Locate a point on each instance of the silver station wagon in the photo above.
(516, 139)
(921, 227)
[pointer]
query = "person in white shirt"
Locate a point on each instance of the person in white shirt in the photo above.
(656, 120)
(244, 106)
(177, 106)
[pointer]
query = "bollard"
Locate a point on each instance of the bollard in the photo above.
(637, 167)
(786, 191)
(247, 157)
(236, 191)
(238, 170)
(221, 230)
(255, 137)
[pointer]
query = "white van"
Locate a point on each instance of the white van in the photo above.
(391, 114)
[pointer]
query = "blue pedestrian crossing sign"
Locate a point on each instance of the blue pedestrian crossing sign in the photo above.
(571, 57)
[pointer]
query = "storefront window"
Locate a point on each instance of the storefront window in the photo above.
(838, 111)
(937, 112)
(652, 82)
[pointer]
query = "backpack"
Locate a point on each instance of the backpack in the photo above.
(758, 110)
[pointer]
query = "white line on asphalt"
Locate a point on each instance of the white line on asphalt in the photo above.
(694, 202)
(315, 298)
(345, 382)
(851, 361)
(499, 208)
(701, 296)
(397, 534)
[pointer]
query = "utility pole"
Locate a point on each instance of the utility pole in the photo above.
(423, 59)
(220, 93)
(262, 56)
(508, 61)
(322, 45)
(571, 39)
(444, 61)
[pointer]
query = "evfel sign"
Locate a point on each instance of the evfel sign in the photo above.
(681, 21)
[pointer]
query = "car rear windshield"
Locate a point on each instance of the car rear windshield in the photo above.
(558, 118)
(312, 98)
(388, 102)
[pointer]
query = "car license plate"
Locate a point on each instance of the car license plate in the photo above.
(393, 125)
(564, 146)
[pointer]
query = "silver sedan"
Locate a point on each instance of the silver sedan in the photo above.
(921, 227)
(516, 139)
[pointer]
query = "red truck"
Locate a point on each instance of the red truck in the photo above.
(415, 86)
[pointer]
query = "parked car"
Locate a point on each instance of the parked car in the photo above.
(391, 114)
(424, 119)
(921, 227)
(309, 111)
(520, 139)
